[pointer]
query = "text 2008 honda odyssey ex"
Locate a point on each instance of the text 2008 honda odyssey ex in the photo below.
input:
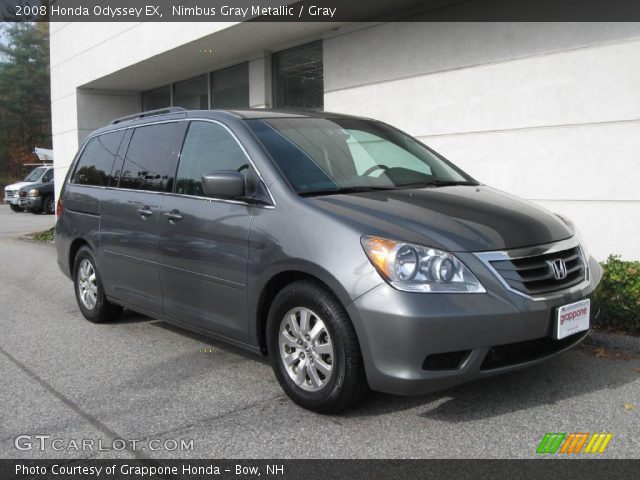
(347, 251)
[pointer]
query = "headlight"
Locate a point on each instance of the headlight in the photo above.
(414, 268)
(34, 192)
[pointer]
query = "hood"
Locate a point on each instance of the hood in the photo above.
(453, 218)
(45, 187)
(18, 186)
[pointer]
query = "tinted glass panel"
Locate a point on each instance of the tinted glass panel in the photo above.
(191, 94)
(96, 162)
(150, 160)
(35, 174)
(298, 80)
(207, 148)
(155, 99)
(47, 177)
(322, 155)
(230, 87)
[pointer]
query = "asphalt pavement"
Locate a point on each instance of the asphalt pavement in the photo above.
(96, 388)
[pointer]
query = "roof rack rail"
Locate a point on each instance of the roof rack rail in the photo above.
(148, 113)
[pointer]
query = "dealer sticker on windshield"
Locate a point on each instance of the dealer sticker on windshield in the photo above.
(572, 318)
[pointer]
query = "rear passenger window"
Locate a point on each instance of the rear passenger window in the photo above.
(208, 147)
(150, 160)
(95, 164)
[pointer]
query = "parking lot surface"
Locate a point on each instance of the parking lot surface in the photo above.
(143, 380)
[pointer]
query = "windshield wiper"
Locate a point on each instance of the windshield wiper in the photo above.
(338, 191)
(440, 183)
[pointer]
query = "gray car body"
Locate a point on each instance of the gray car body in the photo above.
(216, 271)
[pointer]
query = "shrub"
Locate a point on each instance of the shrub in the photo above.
(618, 295)
(45, 236)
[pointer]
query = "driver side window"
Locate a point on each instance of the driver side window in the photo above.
(208, 147)
(48, 176)
(366, 147)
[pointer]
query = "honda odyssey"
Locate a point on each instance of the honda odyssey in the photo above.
(351, 254)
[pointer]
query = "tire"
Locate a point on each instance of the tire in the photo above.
(16, 208)
(330, 342)
(49, 205)
(93, 303)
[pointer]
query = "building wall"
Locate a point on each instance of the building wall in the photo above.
(549, 112)
(83, 52)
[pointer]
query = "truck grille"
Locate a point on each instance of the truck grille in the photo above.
(23, 193)
(10, 193)
(534, 275)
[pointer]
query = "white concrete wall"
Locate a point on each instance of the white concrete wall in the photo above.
(83, 52)
(549, 112)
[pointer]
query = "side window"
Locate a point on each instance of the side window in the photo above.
(48, 176)
(95, 164)
(150, 160)
(208, 147)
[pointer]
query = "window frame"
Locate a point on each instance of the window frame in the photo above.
(176, 156)
(76, 163)
(252, 165)
(124, 146)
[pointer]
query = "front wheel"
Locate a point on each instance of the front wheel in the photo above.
(89, 290)
(314, 350)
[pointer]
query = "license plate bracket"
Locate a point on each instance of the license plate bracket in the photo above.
(572, 318)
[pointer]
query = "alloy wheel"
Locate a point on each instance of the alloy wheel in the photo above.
(306, 349)
(87, 284)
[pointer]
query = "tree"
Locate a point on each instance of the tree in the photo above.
(25, 98)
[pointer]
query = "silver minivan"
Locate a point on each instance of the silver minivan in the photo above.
(351, 254)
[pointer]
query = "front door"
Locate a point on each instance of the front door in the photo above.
(203, 248)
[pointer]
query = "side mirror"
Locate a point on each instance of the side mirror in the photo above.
(223, 184)
(45, 179)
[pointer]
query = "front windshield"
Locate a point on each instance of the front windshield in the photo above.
(35, 175)
(331, 155)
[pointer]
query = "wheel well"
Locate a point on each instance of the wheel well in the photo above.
(269, 292)
(73, 250)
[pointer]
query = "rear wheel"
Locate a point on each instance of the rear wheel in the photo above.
(16, 208)
(89, 290)
(314, 350)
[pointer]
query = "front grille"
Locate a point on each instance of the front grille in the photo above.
(23, 194)
(533, 275)
(9, 193)
(522, 352)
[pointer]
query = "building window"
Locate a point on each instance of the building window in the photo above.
(191, 94)
(157, 98)
(298, 77)
(230, 87)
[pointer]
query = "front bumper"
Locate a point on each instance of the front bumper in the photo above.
(12, 200)
(32, 203)
(418, 343)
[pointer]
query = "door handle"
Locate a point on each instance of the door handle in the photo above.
(173, 216)
(145, 212)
